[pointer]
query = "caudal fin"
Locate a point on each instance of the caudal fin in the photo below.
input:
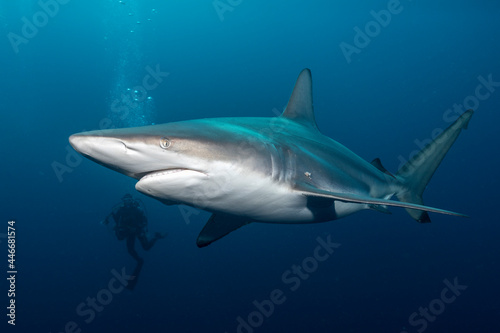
(417, 172)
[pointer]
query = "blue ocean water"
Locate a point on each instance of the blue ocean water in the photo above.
(386, 75)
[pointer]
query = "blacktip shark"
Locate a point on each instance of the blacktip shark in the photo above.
(271, 170)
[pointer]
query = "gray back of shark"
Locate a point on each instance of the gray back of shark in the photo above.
(271, 170)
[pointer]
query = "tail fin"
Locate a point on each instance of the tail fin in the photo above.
(417, 172)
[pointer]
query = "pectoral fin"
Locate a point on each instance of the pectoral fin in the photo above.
(310, 190)
(218, 226)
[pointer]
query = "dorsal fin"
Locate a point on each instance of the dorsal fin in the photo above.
(378, 164)
(300, 106)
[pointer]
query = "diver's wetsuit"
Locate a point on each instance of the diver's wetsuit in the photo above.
(131, 222)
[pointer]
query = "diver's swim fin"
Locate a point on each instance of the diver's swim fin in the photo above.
(135, 276)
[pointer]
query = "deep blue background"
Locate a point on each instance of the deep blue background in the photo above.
(395, 91)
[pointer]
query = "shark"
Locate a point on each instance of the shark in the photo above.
(265, 169)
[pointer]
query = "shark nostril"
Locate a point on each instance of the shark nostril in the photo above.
(124, 146)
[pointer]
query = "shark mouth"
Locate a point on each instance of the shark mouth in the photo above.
(171, 185)
(167, 172)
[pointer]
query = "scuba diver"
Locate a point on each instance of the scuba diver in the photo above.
(131, 223)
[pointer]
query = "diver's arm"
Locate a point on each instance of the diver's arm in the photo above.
(113, 215)
(107, 219)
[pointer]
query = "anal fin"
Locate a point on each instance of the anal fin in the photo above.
(218, 226)
(380, 208)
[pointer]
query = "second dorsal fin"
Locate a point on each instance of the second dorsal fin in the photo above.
(378, 164)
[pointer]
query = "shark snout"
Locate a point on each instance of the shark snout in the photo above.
(118, 152)
(77, 141)
(97, 146)
(85, 144)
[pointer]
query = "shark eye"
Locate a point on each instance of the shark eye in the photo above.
(165, 143)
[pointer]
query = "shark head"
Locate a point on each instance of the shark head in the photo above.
(178, 162)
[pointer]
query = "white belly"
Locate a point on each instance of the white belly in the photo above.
(251, 195)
